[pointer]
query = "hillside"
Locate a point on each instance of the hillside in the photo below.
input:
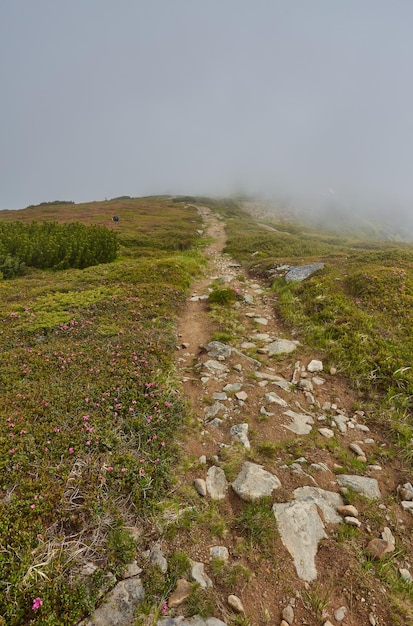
(150, 474)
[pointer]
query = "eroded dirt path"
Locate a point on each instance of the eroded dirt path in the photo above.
(265, 578)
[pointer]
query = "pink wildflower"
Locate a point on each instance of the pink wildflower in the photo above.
(71, 451)
(163, 608)
(37, 603)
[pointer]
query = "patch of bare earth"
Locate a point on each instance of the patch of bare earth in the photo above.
(273, 581)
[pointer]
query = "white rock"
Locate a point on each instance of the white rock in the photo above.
(235, 603)
(315, 366)
(340, 614)
(352, 521)
(275, 398)
(200, 486)
(254, 482)
(326, 432)
(219, 552)
(216, 483)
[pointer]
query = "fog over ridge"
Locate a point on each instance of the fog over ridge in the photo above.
(305, 102)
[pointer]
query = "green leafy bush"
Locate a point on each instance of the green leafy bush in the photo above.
(11, 266)
(50, 245)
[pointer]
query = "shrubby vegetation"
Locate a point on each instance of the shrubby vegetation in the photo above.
(50, 245)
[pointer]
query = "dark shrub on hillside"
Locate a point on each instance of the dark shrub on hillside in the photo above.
(11, 266)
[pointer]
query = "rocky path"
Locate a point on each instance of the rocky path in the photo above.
(284, 487)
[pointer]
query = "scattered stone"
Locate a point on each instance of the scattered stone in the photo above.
(341, 422)
(198, 574)
(363, 428)
(238, 367)
(377, 548)
(157, 558)
(248, 345)
(261, 320)
(326, 406)
(212, 411)
(333, 371)
(352, 521)
(132, 569)
(235, 603)
(241, 395)
(348, 509)
(88, 569)
(326, 501)
(301, 529)
(200, 486)
(216, 483)
(301, 424)
(264, 411)
(288, 614)
(216, 422)
(407, 505)
(254, 482)
(405, 492)
(119, 606)
(305, 384)
(372, 620)
(232, 387)
(326, 432)
(219, 552)
(282, 346)
(315, 366)
(354, 447)
(262, 337)
(368, 487)
(387, 535)
(240, 432)
(319, 467)
(182, 591)
(248, 299)
(328, 623)
(317, 380)
(273, 397)
(340, 614)
(219, 395)
(215, 367)
(405, 574)
(301, 272)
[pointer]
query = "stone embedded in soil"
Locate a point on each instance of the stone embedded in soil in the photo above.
(274, 398)
(340, 613)
(232, 387)
(282, 346)
(254, 482)
(301, 272)
(261, 320)
(352, 521)
(240, 432)
(377, 548)
(212, 411)
(301, 529)
(216, 483)
(182, 591)
(367, 487)
(315, 366)
(341, 422)
(219, 552)
(218, 349)
(354, 447)
(326, 501)
(348, 509)
(119, 606)
(288, 614)
(241, 395)
(196, 620)
(198, 575)
(387, 535)
(200, 486)
(301, 423)
(157, 558)
(326, 432)
(235, 603)
(215, 367)
(405, 574)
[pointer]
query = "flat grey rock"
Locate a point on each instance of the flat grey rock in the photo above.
(301, 423)
(215, 367)
(282, 346)
(216, 483)
(240, 432)
(301, 529)
(327, 501)
(198, 575)
(301, 272)
(119, 606)
(273, 397)
(254, 482)
(196, 620)
(218, 349)
(368, 487)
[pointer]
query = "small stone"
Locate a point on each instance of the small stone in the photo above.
(407, 505)
(232, 387)
(376, 548)
(363, 428)
(405, 574)
(132, 569)
(354, 447)
(157, 558)
(238, 367)
(216, 483)
(326, 432)
(288, 614)
(315, 366)
(348, 509)
(352, 521)
(372, 620)
(261, 320)
(200, 486)
(182, 591)
(198, 574)
(202, 459)
(340, 614)
(241, 395)
(333, 371)
(275, 398)
(387, 535)
(219, 552)
(235, 603)
(284, 623)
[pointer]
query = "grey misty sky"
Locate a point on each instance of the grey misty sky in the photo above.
(293, 98)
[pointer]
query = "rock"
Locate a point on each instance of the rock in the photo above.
(387, 535)
(301, 272)
(157, 558)
(317, 380)
(218, 349)
(284, 623)
(241, 395)
(368, 487)
(240, 432)
(219, 395)
(372, 620)
(301, 529)
(300, 424)
(377, 548)
(354, 447)
(288, 614)
(326, 432)
(195, 620)
(340, 614)
(261, 320)
(315, 366)
(182, 591)
(232, 387)
(235, 603)
(132, 569)
(198, 574)
(216, 422)
(352, 521)
(305, 384)
(216, 483)
(200, 486)
(273, 397)
(328, 623)
(119, 606)
(341, 422)
(212, 411)
(254, 482)
(282, 346)
(405, 574)
(348, 509)
(215, 367)
(219, 552)
(407, 505)
(405, 492)
(326, 501)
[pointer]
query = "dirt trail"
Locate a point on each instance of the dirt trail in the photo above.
(272, 582)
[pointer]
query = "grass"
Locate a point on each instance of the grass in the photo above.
(89, 408)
